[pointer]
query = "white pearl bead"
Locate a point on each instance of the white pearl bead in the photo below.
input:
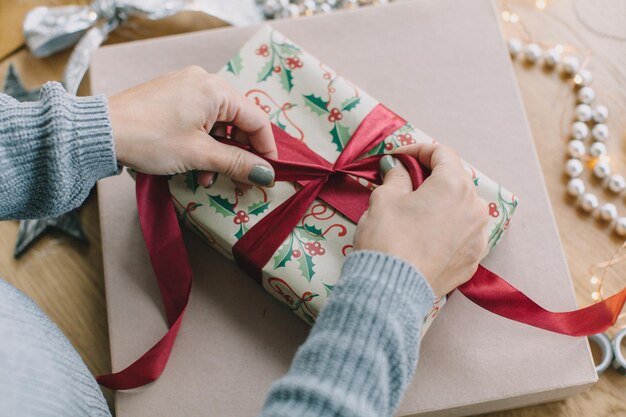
(600, 132)
(586, 95)
(620, 226)
(597, 149)
(589, 202)
(576, 148)
(600, 114)
(575, 187)
(602, 169)
(580, 131)
(573, 168)
(616, 183)
(608, 212)
(551, 58)
(570, 65)
(515, 46)
(532, 53)
(583, 78)
(584, 112)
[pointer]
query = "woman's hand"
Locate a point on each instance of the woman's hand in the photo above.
(439, 228)
(162, 126)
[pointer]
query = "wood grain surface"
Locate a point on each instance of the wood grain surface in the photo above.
(66, 279)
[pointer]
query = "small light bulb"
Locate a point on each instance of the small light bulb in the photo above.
(578, 80)
(595, 295)
(506, 15)
(541, 4)
(514, 18)
(594, 280)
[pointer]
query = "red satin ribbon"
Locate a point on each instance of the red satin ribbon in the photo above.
(330, 182)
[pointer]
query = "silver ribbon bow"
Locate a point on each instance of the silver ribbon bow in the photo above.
(52, 29)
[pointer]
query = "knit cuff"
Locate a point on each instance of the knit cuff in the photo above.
(93, 135)
(388, 276)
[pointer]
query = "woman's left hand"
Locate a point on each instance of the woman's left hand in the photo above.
(164, 125)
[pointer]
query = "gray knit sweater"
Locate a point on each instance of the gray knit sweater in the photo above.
(357, 361)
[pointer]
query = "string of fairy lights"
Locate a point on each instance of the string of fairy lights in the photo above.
(589, 124)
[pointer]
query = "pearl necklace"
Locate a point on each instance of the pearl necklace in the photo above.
(590, 123)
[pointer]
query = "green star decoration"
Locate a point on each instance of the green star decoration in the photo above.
(31, 230)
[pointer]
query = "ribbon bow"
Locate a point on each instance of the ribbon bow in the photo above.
(332, 183)
(48, 30)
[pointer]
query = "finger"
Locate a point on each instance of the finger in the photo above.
(395, 174)
(250, 119)
(206, 178)
(235, 163)
(432, 155)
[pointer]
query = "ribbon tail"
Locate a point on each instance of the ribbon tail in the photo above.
(171, 265)
(257, 246)
(494, 294)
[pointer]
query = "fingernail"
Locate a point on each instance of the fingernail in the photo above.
(261, 175)
(387, 163)
(213, 179)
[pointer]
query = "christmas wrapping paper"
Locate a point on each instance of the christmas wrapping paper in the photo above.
(319, 107)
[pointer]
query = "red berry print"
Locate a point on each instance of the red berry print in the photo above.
(263, 50)
(241, 217)
(493, 210)
(335, 115)
(405, 139)
(293, 63)
(277, 68)
(388, 146)
(314, 248)
(296, 253)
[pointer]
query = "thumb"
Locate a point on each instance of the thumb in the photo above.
(236, 163)
(395, 174)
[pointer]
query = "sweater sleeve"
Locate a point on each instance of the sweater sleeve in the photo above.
(52, 152)
(362, 352)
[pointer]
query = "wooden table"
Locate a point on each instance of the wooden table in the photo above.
(66, 279)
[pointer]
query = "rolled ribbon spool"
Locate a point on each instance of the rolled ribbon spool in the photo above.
(619, 362)
(604, 343)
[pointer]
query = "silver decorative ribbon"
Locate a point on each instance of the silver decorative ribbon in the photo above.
(52, 29)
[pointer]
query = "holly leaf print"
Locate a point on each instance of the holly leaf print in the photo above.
(287, 49)
(222, 205)
(191, 180)
(311, 232)
(350, 103)
(241, 231)
(286, 79)
(284, 253)
(316, 104)
(329, 288)
(341, 136)
(267, 70)
(234, 65)
(280, 125)
(258, 208)
(306, 265)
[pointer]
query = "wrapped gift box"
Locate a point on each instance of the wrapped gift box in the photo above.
(320, 108)
(441, 65)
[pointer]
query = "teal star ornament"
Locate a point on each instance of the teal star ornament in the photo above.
(31, 230)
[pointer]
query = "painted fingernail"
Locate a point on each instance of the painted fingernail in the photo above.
(387, 163)
(261, 175)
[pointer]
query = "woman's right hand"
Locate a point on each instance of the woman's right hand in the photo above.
(438, 228)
